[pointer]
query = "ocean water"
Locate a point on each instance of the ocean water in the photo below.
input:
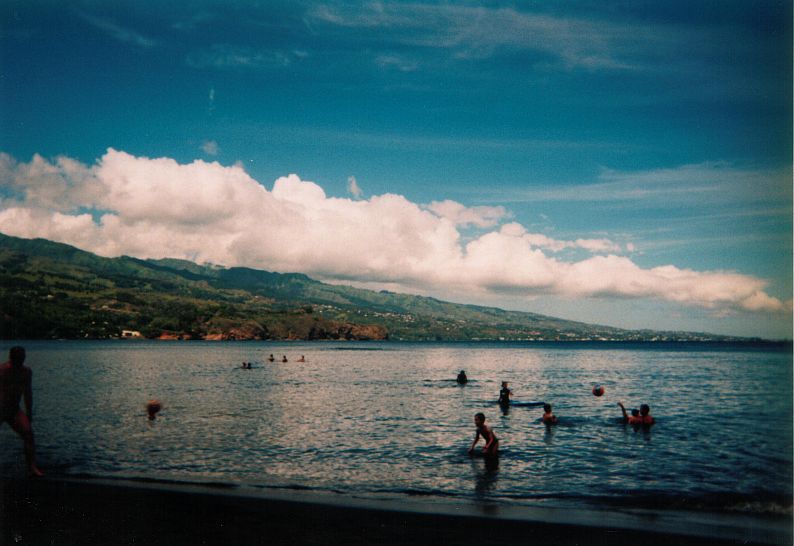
(388, 420)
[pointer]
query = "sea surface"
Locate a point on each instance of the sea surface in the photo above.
(387, 420)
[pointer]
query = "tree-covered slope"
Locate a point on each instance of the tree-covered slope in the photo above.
(52, 290)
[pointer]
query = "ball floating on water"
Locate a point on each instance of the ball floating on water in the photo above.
(152, 407)
(598, 390)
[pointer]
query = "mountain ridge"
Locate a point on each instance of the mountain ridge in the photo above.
(53, 290)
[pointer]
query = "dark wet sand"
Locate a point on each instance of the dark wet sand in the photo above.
(73, 511)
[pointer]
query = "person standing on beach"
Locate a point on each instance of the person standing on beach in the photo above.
(491, 446)
(16, 384)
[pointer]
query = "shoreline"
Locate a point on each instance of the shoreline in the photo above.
(63, 510)
(781, 344)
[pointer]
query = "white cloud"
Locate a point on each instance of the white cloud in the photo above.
(396, 62)
(153, 208)
(210, 147)
(353, 187)
(541, 241)
(232, 56)
(120, 33)
(711, 182)
(469, 32)
(460, 215)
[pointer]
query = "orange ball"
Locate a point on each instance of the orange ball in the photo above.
(598, 390)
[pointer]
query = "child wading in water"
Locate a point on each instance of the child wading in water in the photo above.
(491, 446)
(504, 395)
(548, 417)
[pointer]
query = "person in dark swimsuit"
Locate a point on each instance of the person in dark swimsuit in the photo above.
(504, 395)
(491, 446)
(462, 379)
(16, 385)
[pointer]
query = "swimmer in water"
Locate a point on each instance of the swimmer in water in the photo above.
(271, 359)
(548, 417)
(284, 358)
(302, 359)
(645, 415)
(16, 385)
(634, 419)
(491, 446)
(462, 379)
(504, 395)
(153, 407)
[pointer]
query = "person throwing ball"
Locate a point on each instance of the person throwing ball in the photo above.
(491, 447)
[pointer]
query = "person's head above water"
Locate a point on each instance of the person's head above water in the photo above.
(153, 406)
(547, 408)
(16, 355)
(479, 418)
(504, 384)
(645, 409)
(463, 372)
(635, 412)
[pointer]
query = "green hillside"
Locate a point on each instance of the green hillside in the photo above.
(51, 290)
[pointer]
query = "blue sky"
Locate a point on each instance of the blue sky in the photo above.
(626, 163)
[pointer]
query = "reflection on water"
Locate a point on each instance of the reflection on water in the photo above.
(486, 471)
(390, 418)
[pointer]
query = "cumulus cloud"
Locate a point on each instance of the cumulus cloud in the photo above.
(155, 208)
(353, 187)
(463, 216)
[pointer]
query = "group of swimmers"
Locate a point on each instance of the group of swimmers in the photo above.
(271, 358)
(16, 382)
(638, 418)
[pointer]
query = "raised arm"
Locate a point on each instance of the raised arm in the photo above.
(625, 415)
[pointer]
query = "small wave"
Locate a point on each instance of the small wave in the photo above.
(151, 480)
(762, 503)
(413, 492)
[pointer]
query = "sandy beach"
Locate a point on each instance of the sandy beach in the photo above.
(91, 511)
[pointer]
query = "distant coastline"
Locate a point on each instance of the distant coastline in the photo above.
(51, 290)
